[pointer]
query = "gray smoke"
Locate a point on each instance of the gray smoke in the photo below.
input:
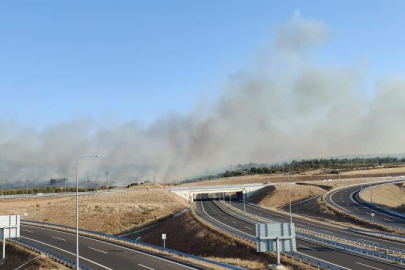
(286, 106)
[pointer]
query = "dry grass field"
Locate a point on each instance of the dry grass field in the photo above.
(188, 235)
(377, 171)
(17, 256)
(392, 196)
(111, 213)
(277, 196)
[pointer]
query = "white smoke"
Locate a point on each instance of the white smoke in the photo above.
(285, 107)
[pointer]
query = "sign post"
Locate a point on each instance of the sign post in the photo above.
(9, 228)
(164, 240)
(278, 237)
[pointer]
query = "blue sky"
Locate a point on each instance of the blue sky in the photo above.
(141, 59)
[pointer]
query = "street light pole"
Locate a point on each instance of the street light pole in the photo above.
(289, 197)
(77, 209)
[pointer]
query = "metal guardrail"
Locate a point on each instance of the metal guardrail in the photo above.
(359, 242)
(293, 255)
(381, 208)
(349, 248)
(341, 246)
(381, 234)
(359, 216)
(122, 240)
(54, 256)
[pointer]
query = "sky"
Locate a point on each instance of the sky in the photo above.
(118, 61)
(177, 89)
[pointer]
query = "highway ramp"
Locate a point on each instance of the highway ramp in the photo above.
(206, 207)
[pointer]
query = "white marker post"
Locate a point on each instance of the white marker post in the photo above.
(372, 215)
(164, 240)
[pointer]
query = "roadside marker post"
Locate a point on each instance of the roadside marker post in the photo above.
(164, 240)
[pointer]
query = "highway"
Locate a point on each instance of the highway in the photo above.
(313, 225)
(96, 254)
(340, 259)
(347, 200)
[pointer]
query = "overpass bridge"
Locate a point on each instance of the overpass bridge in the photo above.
(190, 193)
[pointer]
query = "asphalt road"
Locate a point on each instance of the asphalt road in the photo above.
(97, 254)
(315, 226)
(340, 259)
(347, 200)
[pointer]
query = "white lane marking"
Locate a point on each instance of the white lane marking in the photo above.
(342, 267)
(320, 226)
(98, 250)
(307, 247)
(369, 266)
(145, 267)
(225, 217)
(248, 227)
(27, 231)
(105, 267)
(202, 205)
(54, 237)
(233, 221)
(114, 245)
(388, 219)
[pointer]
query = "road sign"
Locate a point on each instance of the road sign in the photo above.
(9, 228)
(163, 236)
(267, 233)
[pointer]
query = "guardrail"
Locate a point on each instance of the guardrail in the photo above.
(364, 243)
(381, 208)
(349, 248)
(358, 216)
(135, 243)
(380, 234)
(54, 256)
(293, 255)
(341, 246)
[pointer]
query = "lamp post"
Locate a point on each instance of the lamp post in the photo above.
(289, 197)
(2, 170)
(77, 209)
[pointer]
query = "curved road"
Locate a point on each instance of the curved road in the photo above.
(340, 259)
(347, 200)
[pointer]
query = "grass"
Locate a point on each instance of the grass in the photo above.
(392, 196)
(17, 256)
(188, 234)
(112, 213)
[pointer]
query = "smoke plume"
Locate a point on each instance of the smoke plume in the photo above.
(286, 106)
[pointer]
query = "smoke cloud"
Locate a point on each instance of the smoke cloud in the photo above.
(286, 106)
